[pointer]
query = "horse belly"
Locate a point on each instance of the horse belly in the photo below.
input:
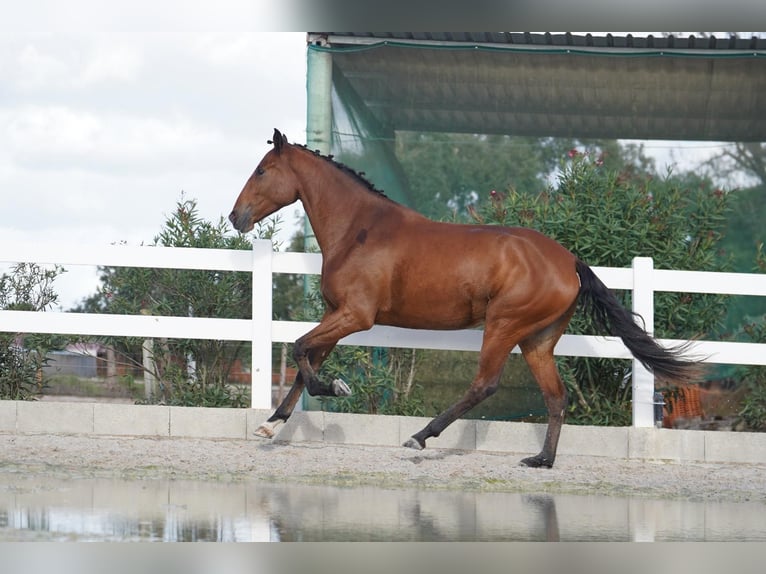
(443, 302)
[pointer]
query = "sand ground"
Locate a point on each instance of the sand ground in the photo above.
(320, 463)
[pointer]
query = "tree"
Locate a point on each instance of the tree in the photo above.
(190, 371)
(447, 173)
(606, 218)
(288, 303)
(753, 411)
(743, 236)
(742, 162)
(28, 287)
(741, 157)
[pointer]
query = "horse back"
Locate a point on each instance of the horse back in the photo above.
(443, 276)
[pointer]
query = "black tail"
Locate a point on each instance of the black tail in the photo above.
(611, 316)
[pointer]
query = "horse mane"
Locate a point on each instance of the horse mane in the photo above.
(357, 175)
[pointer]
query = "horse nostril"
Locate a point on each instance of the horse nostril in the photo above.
(241, 219)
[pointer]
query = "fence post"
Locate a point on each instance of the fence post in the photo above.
(643, 304)
(260, 389)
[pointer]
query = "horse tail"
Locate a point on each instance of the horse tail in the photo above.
(610, 315)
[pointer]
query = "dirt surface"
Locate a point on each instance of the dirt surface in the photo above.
(318, 463)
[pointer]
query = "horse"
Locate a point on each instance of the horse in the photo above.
(386, 264)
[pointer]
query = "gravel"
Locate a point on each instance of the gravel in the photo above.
(320, 463)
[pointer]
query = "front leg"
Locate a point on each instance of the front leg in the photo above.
(334, 326)
(268, 429)
(314, 385)
(310, 352)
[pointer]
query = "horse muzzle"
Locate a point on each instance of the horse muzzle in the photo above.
(241, 220)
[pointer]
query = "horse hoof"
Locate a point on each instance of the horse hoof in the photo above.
(537, 462)
(340, 388)
(412, 443)
(267, 429)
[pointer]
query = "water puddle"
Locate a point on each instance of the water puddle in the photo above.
(49, 509)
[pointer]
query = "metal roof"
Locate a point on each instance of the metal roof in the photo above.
(560, 85)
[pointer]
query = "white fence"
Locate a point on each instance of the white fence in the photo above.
(641, 278)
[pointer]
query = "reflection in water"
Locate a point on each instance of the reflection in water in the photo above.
(46, 508)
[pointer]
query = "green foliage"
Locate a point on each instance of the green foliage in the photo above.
(744, 234)
(186, 391)
(20, 370)
(380, 381)
(28, 287)
(448, 173)
(745, 226)
(606, 218)
(445, 376)
(185, 293)
(753, 412)
(288, 288)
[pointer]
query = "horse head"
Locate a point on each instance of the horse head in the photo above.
(272, 186)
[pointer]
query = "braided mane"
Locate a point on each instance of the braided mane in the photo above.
(358, 175)
(280, 140)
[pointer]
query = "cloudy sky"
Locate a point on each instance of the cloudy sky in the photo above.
(107, 116)
(101, 132)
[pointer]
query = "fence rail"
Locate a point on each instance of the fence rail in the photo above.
(642, 279)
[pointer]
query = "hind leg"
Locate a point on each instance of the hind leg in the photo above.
(538, 353)
(494, 352)
(544, 369)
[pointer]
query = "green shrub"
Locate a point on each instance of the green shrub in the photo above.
(607, 218)
(753, 412)
(192, 293)
(29, 287)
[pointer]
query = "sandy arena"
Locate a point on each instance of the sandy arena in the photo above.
(319, 463)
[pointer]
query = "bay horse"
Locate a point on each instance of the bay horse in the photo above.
(383, 263)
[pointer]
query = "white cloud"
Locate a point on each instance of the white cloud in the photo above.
(100, 134)
(261, 50)
(40, 133)
(36, 69)
(45, 64)
(88, 16)
(225, 50)
(43, 138)
(120, 63)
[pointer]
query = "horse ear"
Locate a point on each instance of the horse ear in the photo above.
(279, 140)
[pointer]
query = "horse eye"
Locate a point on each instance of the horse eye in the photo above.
(259, 170)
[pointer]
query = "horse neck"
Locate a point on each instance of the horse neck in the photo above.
(334, 201)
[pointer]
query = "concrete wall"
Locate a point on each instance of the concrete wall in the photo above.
(25, 417)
